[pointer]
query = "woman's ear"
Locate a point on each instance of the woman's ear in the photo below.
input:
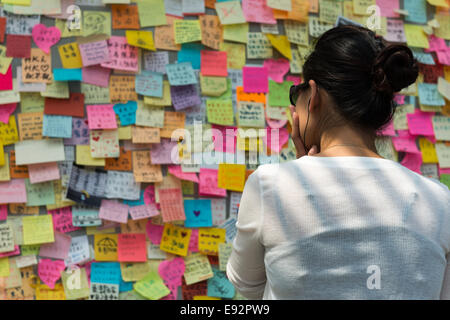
(315, 98)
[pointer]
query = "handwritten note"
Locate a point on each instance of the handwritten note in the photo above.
(106, 247)
(124, 16)
(37, 68)
(171, 201)
(255, 79)
(187, 31)
(37, 229)
(132, 248)
(258, 46)
(45, 37)
(197, 268)
(151, 286)
(181, 74)
(220, 112)
(175, 239)
(143, 169)
(123, 56)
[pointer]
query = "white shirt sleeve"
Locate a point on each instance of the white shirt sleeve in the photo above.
(245, 267)
(445, 291)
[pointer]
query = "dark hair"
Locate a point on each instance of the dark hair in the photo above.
(361, 73)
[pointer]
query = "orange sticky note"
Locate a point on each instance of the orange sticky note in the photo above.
(105, 247)
(231, 176)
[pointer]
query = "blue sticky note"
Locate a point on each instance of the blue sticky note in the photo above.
(198, 213)
(126, 112)
(67, 75)
(149, 83)
(429, 95)
(105, 272)
(190, 52)
(83, 216)
(424, 58)
(417, 10)
(125, 286)
(181, 74)
(134, 203)
(219, 286)
(56, 126)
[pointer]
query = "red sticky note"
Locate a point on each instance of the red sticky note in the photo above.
(18, 46)
(3, 212)
(213, 63)
(74, 106)
(6, 80)
(132, 247)
(2, 28)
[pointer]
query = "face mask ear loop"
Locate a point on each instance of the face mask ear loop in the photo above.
(304, 132)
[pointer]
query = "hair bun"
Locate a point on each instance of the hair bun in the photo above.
(394, 68)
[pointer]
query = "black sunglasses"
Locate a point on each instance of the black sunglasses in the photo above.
(295, 90)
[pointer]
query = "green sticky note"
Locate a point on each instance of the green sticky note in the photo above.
(40, 194)
(220, 111)
(445, 179)
(96, 22)
(151, 286)
(151, 13)
(30, 249)
(75, 284)
(279, 93)
(236, 32)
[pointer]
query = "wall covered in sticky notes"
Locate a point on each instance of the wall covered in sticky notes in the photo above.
(96, 179)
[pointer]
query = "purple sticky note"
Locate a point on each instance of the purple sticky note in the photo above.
(96, 75)
(80, 132)
(162, 153)
(184, 96)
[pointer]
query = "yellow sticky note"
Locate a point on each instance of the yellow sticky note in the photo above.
(4, 169)
(8, 132)
(231, 176)
(2, 155)
(205, 298)
(124, 133)
(105, 247)
(360, 6)
(198, 268)
(152, 286)
(4, 267)
(220, 111)
(444, 26)
(187, 31)
(84, 157)
(151, 13)
(165, 101)
(43, 292)
(282, 44)
(213, 86)
(236, 32)
(5, 62)
(439, 3)
(142, 39)
(96, 22)
(70, 56)
(38, 229)
(175, 239)
(17, 2)
(209, 239)
(428, 151)
(235, 54)
(415, 37)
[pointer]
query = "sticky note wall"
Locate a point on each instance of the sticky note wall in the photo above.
(95, 179)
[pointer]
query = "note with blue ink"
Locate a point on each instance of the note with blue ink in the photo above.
(181, 74)
(429, 95)
(219, 286)
(126, 112)
(67, 74)
(56, 126)
(149, 83)
(417, 10)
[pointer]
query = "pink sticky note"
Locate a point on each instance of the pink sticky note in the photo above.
(208, 184)
(224, 138)
(177, 172)
(171, 271)
(143, 211)
(6, 110)
(45, 37)
(42, 172)
(258, 11)
(405, 142)
(193, 242)
(58, 249)
(13, 191)
(443, 170)
(444, 57)
(101, 116)
(113, 210)
(399, 99)
(277, 68)
(49, 271)
(15, 252)
(435, 44)
(413, 161)
(295, 80)
(165, 152)
(173, 292)
(96, 75)
(275, 139)
(255, 79)
(3, 212)
(123, 56)
(62, 220)
(93, 53)
(6, 80)
(387, 8)
(154, 232)
(387, 130)
(275, 124)
(149, 194)
(419, 123)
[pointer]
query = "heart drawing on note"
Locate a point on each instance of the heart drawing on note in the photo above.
(196, 213)
(45, 37)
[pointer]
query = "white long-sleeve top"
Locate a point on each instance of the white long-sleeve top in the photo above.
(341, 228)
